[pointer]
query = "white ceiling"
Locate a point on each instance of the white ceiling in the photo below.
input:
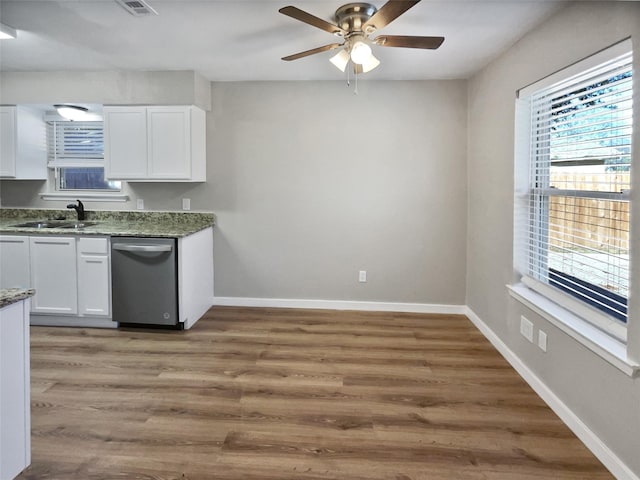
(244, 39)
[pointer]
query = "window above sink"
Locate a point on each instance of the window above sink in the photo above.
(75, 150)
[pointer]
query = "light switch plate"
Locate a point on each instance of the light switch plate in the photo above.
(362, 276)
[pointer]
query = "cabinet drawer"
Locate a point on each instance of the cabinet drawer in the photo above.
(93, 245)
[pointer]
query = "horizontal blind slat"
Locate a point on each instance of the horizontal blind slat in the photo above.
(75, 144)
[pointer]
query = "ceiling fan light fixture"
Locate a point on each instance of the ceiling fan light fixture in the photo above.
(371, 63)
(7, 32)
(360, 52)
(340, 60)
(72, 112)
(355, 22)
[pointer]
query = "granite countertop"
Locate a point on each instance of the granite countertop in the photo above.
(123, 224)
(13, 295)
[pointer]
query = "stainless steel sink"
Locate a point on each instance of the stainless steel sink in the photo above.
(78, 225)
(43, 224)
(55, 224)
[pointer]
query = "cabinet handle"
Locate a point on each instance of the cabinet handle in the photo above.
(52, 242)
(142, 248)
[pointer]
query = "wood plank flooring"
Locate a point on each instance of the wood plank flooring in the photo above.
(275, 394)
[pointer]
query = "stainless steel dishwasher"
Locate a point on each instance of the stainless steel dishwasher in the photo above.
(144, 281)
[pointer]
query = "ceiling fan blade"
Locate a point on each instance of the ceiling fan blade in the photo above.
(388, 13)
(312, 20)
(430, 43)
(313, 51)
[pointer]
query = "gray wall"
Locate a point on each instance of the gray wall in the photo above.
(109, 87)
(312, 183)
(605, 399)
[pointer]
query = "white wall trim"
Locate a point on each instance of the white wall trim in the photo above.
(71, 321)
(341, 305)
(85, 196)
(610, 460)
(602, 344)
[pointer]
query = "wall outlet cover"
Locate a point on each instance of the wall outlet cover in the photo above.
(542, 340)
(140, 204)
(186, 204)
(362, 276)
(526, 328)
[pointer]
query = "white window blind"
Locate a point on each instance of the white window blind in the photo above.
(580, 159)
(75, 144)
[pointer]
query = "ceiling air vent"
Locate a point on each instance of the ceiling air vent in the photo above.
(137, 8)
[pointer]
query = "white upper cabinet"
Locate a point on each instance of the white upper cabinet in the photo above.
(125, 142)
(158, 144)
(23, 144)
(168, 142)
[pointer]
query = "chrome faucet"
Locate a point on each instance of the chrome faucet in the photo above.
(79, 208)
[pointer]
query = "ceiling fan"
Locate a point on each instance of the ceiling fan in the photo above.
(355, 22)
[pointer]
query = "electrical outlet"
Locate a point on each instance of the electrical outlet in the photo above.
(186, 204)
(362, 276)
(526, 328)
(542, 340)
(140, 204)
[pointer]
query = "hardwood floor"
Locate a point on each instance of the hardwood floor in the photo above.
(280, 394)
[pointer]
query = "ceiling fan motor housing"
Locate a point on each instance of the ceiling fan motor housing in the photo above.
(352, 16)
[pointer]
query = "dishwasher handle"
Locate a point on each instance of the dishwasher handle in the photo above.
(126, 247)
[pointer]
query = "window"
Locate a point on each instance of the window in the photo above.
(76, 152)
(577, 205)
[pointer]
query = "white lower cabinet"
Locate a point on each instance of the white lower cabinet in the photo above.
(14, 262)
(54, 275)
(71, 275)
(94, 282)
(15, 413)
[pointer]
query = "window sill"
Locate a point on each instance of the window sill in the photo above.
(85, 196)
(603, 345)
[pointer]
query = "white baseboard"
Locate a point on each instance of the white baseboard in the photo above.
(610, 460)
(340, 305)
(70, 321)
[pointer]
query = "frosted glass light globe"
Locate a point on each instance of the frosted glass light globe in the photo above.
(360, 52)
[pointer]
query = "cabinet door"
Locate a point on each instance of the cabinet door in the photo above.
(169, 142)
(53, 275)
(15, 434)
(93, 285)
(31, 144)
(125, 142)
(8, 142)
(14, 262)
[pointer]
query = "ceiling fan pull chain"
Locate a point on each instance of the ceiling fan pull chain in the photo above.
(355, 90)
(348, 73)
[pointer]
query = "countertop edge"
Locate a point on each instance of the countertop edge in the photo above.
(9, 296)
(105, 232)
